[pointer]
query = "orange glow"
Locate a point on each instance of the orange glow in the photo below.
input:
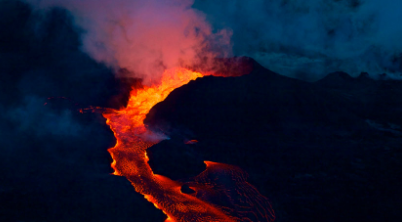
(191, 142)
(130, 159)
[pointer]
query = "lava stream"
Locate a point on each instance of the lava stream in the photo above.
(130, 160)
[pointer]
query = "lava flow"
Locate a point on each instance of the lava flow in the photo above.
(215, 199)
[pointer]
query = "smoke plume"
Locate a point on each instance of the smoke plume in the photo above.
(311, 38)
(144, 36)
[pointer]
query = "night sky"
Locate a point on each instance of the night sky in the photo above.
(315, 120)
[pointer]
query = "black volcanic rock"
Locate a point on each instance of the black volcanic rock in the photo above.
(323, 151)
(174, 159)
(250, 104)
(186, 189)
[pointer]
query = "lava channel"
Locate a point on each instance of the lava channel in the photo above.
(221, 192)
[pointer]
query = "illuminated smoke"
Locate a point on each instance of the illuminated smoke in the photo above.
(144, 36)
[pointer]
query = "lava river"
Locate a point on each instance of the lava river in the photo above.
(221, 191)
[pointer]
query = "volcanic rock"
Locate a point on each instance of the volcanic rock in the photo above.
(186, 189)
(331, 146)
(175, 159)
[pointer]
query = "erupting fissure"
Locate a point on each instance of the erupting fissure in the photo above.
(130, 160)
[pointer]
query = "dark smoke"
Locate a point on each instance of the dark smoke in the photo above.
(311, 38)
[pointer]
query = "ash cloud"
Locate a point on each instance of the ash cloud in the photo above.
(145, 36)
(309, 38)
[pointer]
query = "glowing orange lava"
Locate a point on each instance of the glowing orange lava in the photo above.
(130, 160)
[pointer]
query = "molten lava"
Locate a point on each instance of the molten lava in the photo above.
(221, 191)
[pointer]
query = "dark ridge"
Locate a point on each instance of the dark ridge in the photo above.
(339, 80)
(331, 147)
(343, 76)
(226, 67)
(372, 99)
(248, 105)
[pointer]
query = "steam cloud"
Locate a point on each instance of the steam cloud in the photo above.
(300, 38)
(144, 36)
(311, 38)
